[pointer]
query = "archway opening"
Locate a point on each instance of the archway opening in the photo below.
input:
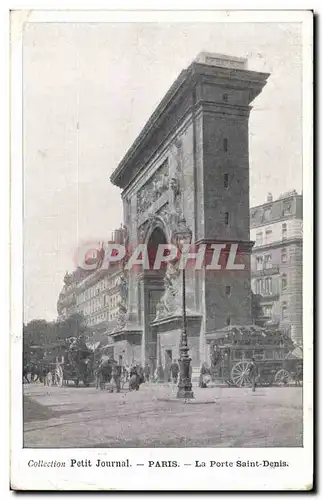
(154, 289)
(157, 238)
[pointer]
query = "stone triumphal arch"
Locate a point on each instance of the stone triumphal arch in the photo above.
(189, 166)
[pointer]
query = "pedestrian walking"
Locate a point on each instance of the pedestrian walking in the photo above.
(253, 373)
(174, 370)
(117, 371)
(155, 376)
(48, 379)
(125, 373)
(134, 379)
(44, 372)
(203, 373)
(147, 372)
(141, 374)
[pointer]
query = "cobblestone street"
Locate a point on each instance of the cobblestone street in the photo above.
(153, 417)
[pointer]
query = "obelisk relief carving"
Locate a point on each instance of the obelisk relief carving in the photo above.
(176, 186)
(171, 302)
(123, 304)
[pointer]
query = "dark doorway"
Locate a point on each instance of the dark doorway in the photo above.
(157, 237)
(154, 289)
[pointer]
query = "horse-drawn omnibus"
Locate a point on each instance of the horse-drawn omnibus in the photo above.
(279, 361)
(74, 361)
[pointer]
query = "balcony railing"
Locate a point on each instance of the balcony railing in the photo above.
(274, 269)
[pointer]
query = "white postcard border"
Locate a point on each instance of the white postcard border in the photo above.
(300, 472)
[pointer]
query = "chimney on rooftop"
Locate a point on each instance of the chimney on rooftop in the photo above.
(269, 197)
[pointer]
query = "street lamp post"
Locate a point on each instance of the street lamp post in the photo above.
(183, 236)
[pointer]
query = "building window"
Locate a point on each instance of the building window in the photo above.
(284, 255)
(259, 238)
(226, 180)
(228, 321)
(259, 354)
(228, 291)
(268, 261)
(258, 287)
(225, 144)
(225, 97)
(267, 214)
(284, 282)
(259, 263)
(226, 218)
(284, 311)
(268, 236)
(268, 286)
(284, 231)
(267, 310)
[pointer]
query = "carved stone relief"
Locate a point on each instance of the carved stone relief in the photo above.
(153, 221)
(287, 207)
(127, 211)
(176, 183)
(157, 185)
(123, 304)
(170, 303)
(142, 232)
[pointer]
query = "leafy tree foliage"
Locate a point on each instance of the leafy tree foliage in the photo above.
(39, 335)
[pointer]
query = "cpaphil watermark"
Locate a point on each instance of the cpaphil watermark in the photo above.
(212, 257)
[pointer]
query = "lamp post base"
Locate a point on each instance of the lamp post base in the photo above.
(185, 384)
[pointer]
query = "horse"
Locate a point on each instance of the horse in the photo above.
(298, 376)
(35, 372)
(25, 372)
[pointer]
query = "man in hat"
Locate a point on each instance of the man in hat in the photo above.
(174, 369)
(253, 373)
(147, 372)
(134, 379)
(116, 374)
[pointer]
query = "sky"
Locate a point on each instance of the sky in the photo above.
(88, 90)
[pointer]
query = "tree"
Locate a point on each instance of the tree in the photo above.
(73, 326)
(39, 333)
(36, 334)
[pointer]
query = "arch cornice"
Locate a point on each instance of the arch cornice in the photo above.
(156, 222)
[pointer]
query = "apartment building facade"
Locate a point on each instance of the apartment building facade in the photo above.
(93, 293)
(276, 227)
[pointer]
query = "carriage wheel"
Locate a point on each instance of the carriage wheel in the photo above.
(282, 377)
(59, 378)
(239, 374)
